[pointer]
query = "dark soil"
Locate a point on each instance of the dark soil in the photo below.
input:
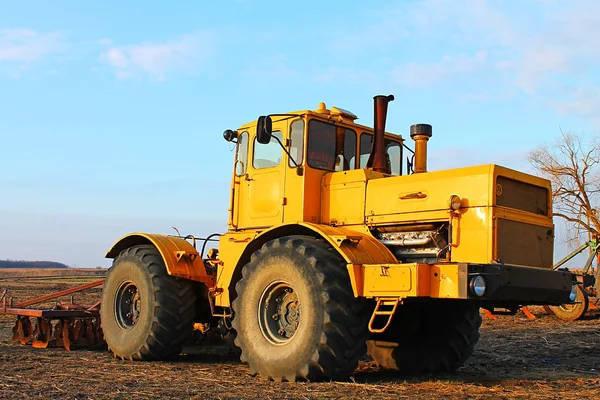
(545, 358)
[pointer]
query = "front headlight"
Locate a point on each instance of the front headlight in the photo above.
(477, 286)
(454, 202)
(573, 294)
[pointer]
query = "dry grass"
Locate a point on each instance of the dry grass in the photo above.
(43, 273)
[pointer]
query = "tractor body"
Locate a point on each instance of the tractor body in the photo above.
(335, 245)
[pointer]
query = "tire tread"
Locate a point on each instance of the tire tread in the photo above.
(345, 327)
(173, 307)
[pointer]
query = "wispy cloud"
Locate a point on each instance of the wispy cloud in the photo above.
(440, 41)
(274, 67)
(559, 41)
(24, 46)
(345, 76)
(581, 101)
(422, 74)
(469, 156)
(157, 59)
(568, 45)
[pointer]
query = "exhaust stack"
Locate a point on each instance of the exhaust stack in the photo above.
(377, 160)
(420, 133)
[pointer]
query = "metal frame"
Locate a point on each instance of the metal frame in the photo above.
(594, 245)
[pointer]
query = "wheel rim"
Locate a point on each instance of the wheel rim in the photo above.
(568, 307)
(579, 303)
(279, 312)
(127, 305)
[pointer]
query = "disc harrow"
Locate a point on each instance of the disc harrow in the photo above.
(64, 325)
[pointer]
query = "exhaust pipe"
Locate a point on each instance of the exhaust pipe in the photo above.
(420, 133)
(407, 242)
(377, 160)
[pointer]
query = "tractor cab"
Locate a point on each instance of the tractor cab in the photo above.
(281, 160)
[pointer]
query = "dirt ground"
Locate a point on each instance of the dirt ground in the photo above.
(516, 358)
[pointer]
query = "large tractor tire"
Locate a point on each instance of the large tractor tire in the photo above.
(296, 316)
(572, 312)
(146, 314)
(436, 336)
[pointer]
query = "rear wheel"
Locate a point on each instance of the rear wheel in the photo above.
(295, 313)
(437, 336)
(146, 314)
(572, 312)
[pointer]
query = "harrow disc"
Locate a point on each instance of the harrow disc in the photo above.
(42, 333)
(22, 330)
(61, 334)
(66, 332)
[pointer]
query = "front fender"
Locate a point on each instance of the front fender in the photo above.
(180, 257)
(356, 248)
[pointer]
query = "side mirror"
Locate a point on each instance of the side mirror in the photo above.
(264, 128)
(230, 135)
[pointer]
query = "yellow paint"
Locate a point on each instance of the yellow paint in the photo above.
(409, 280)
(389, 280)
(259, 195)
(345, 208)
(387, 203)
(343, 196)
(449, 281)
(354, 246)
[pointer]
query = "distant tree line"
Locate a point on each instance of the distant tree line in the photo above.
(31, 264)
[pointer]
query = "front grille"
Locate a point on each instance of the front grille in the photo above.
(521, 196)
(524, 244)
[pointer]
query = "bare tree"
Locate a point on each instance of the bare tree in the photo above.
(572, 164)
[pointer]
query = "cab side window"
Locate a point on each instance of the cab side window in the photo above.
(267, 155)
(330, 147)
(297, 142)
(365, 149)
(321, 145)
(393, 152)
(346, 149)
(242, 155)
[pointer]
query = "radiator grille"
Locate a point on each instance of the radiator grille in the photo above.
(521, 196)
(524, 244)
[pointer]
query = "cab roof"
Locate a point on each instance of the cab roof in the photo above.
(335, 114)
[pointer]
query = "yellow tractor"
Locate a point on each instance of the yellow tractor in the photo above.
(336, 247)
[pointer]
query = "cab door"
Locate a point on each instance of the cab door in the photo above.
(260, 194)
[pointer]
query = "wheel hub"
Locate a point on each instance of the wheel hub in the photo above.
(279, 312)
(288, 308)
(127, 305)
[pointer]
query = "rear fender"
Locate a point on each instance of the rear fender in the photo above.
(180, 257)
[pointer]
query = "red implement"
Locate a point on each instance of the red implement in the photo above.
(75, 324)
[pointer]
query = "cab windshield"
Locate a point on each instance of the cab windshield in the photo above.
(334, 148)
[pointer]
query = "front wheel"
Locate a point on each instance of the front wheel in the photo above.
(295, 313)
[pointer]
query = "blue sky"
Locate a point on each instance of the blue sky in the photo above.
(111, 113)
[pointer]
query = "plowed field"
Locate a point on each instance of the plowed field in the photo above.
(516, 358)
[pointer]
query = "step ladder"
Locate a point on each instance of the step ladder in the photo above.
(383, 302)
